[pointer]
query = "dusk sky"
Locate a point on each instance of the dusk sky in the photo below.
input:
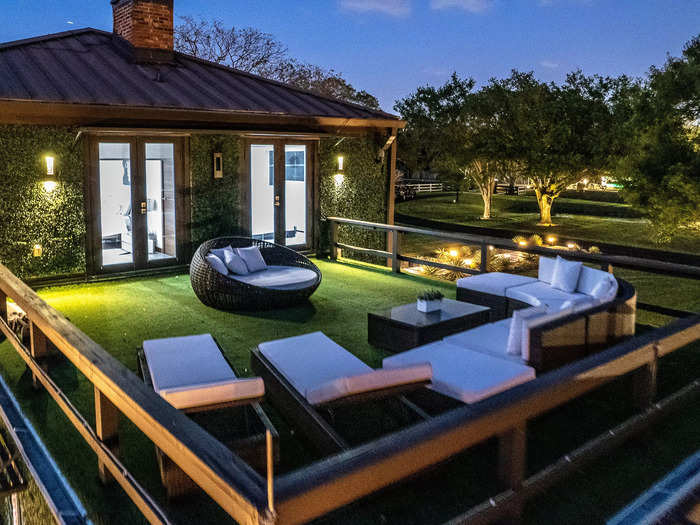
(389, 47)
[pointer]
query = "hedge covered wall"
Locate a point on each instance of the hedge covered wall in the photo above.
(215, 202)
(30, 215)
(362, 193)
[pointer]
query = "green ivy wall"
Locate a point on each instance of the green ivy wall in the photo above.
(361, 195)
(28, 214)
(215, 202)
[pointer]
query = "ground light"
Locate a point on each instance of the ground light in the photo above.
(551, 239)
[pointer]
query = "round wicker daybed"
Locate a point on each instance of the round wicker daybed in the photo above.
(232, 292)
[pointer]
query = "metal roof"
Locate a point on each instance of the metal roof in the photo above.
(89, 66)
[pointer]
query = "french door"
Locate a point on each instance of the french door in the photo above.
(136, 204)
(281, 203)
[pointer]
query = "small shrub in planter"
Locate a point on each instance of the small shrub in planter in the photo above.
(429, 301)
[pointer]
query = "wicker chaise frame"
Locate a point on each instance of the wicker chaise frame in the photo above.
(225, 293)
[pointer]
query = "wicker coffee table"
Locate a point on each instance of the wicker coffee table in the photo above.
(404, 327)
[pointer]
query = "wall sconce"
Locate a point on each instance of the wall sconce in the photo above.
(341, 163)
(218, 166)
(50, 182)
(38, 250)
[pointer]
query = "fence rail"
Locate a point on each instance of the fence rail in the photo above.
(423, 187)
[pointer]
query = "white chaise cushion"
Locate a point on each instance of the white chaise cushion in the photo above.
(279, 278)
(252, 257)
(566, 274)
(494, 283)
(545, 270)
(463, 374)
(217, 264)
(369, 382)
(542, 294)
(515, 334)
(491, 338)
(190, 371)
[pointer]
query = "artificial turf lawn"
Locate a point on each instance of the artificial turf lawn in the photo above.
(587, 220)
(119, 315)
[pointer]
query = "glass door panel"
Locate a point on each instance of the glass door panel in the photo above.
(295, 195)
(161, 240)
(262, 191)
(116, 213)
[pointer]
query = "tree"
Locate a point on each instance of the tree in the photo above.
(660, 171)
(558, 134)
(256, 52)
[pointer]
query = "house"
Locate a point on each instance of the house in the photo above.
(120, 154)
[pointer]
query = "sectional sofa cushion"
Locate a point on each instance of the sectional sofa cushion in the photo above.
(279, 278)
(491, 338)
(566, 274)
(463, 374)
(234, 262)
(545, 270)
(542, 294)
(494, 283)
(515, 334)
(217, 264)
(605, 290)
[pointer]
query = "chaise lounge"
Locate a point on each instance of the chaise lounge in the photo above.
(278, 277)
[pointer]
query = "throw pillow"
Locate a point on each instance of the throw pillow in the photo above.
(604, 289)
(515, 342)
(253, 258)
(566, 274)
(545, 270)
(217, 264)
(235, 263)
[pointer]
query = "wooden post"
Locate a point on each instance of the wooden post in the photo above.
(3, 306)
(512, 465)
(485, 256)
(334, 240)
(644, 383)
(607, 267)
(39, 349)
(395, 263)
(391, 190)
(107, 428)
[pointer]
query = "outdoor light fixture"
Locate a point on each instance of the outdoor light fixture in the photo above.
(338, 178)
(522, 243)
(218, 166)
(341, 163)
(50, 181)
(468, 262)
(37, 251)
(454, 253)
(551, 239)
(570, 245)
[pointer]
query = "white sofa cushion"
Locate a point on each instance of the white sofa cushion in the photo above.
(235, 262)
(491, 338)
(545, 270)
(494, 283)
(463, 374)
(191, 371)
(566, 274)
(515, 334)
(252, 257)
(217, 264)
(375, 380)
(606, 290)
(542, 294)
(279, 278)
(219, 252)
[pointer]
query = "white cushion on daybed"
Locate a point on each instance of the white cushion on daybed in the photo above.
(279, 278)
(320, 369)
(191, 371)
(463, 374)
(540, 293)
(494, 283)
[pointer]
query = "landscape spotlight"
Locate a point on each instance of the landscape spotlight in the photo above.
(551, 239)
(454, 253)
(570, 245)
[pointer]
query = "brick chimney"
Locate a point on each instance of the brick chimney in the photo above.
(147, 25)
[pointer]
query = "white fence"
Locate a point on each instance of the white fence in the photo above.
(423, 187)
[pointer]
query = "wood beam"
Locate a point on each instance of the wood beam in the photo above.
(39, 349)
(107, 429)
(512, 465)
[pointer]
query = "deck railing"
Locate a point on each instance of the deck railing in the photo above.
(321, 487)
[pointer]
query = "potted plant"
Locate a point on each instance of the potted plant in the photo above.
(429, 301)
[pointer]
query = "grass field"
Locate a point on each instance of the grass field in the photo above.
(587, 220)
(120, 315)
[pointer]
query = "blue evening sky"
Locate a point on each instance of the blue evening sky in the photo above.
(389, 47)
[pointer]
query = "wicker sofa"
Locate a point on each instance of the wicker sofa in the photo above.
(264, 290)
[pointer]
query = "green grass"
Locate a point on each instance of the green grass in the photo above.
(587, 220)
(119, 315)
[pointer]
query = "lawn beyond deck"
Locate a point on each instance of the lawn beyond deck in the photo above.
(120, 315)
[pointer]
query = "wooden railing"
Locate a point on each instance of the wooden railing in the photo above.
(238, 489)
(423, 187)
